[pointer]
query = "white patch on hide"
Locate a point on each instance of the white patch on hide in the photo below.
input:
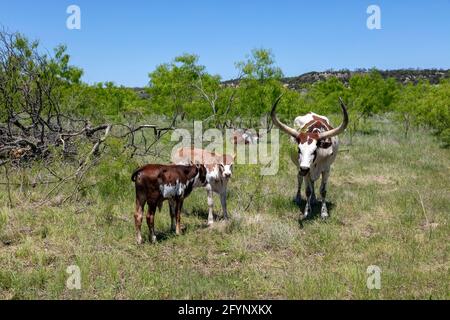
(213, 174)
(170, 191)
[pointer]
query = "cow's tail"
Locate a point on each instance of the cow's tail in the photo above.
(135, 173)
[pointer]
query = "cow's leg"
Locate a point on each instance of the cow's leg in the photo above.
(178, 207)
(138, 216)
(223, 201)
(323, 193)
(298, 197)
(172, 205)
(312, 199)
(151, 222)
(210, 204)
(309, 196)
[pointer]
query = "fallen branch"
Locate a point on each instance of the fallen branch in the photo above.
(93, 150)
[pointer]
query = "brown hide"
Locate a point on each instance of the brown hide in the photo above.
(148, 182)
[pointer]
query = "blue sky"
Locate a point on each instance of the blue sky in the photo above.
(122, 41)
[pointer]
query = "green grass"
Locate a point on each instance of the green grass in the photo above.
(376, 190)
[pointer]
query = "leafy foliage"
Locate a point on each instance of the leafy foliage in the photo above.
(260, 65)
(183, 89)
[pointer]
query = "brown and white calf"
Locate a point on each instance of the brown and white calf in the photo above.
(155, 183)
(218, 172)
(317, 149)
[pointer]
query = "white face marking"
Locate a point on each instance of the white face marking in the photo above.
(306, 154)
(227, 170)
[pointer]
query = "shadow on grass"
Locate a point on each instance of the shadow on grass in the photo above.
(316, 208)
(198, 212)
(202, 214)
(168, 234)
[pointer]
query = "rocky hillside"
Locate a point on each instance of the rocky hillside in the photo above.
(402, 75)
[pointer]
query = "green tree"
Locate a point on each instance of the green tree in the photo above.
(171, 85)
(324, 96)
(259, 85)
(434, 110)
(259, 65)
(407, 104)
(32, 83)
(184, 88)
(369, 94)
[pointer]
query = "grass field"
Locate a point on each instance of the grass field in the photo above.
(389, 206)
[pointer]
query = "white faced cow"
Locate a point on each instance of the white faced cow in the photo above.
(317, 149)
(218, 172)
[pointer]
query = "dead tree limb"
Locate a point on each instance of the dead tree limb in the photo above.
(94, 150)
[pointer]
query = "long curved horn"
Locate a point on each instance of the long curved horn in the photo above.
(290, 131)
(341, 128)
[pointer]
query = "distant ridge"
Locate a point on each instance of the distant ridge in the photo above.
(297, 83)
(402, 75)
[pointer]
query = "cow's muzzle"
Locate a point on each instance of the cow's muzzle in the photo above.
(303, 171)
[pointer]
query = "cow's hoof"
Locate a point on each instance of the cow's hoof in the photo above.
(302, 217)
(210, 222)
(298, 200)
(138, 241)
(306, 213)
(152, 239)
(324, 213)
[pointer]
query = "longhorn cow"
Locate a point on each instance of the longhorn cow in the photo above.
(317, 149)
